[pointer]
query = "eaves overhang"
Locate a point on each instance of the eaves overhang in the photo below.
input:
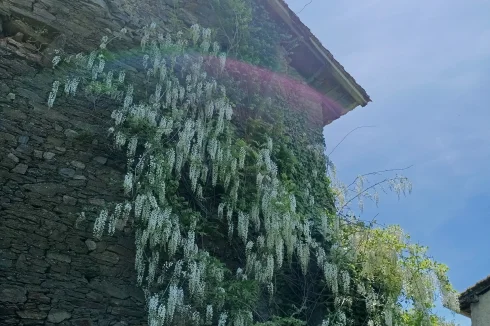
(319, 67)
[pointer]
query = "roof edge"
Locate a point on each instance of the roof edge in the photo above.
(470, 295)
(478, 288)
(345, 79)
(352, 87)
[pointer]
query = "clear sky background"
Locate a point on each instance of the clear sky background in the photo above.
(426, 66)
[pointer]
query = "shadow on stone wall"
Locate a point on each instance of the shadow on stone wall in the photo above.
(53, 164)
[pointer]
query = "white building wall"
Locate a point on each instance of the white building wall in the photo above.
(480, 311)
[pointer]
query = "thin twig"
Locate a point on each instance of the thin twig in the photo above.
(379, 172)
(306, 5)
(350, 132)
(362, 192)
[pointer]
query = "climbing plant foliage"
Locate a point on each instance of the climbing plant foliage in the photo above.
(236, 218)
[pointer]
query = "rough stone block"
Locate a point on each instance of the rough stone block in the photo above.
(69, 200)
(106, 256)
(100, 160)
(66, 172)
(46, 189)
(32, 314)
(38, 154)
(78, 165)
(48, 155)
(91, 245)
(69, 133)
(57, 316)
(13, 294)
(20, 169)
(58, 257)
(13, 157)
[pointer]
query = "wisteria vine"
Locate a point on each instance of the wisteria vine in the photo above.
(176, 128)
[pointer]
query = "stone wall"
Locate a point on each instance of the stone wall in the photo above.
(54, 164)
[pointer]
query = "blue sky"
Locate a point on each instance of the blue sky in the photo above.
(426, 65)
